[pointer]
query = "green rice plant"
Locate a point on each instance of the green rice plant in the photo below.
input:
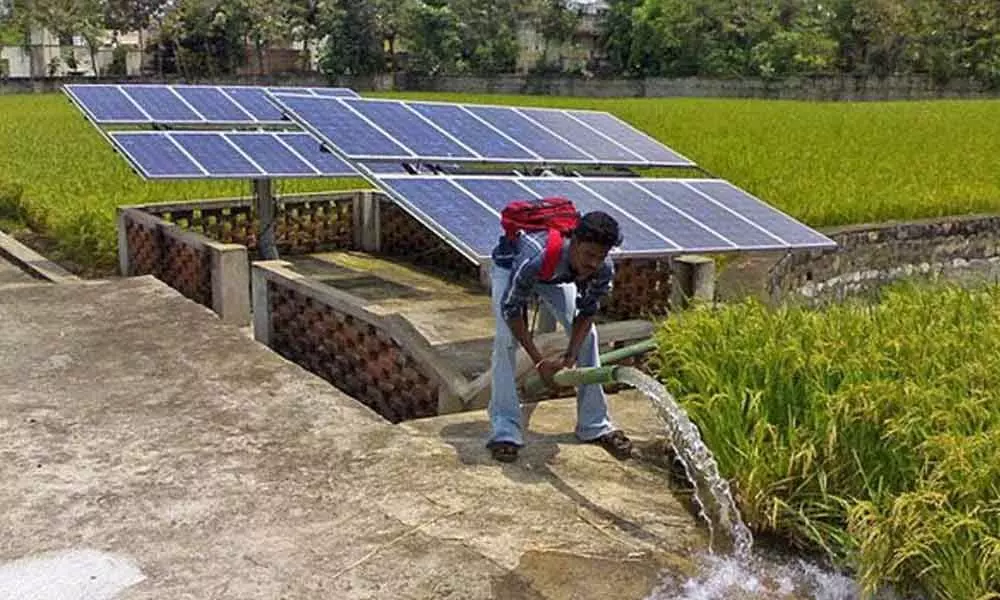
(868, 432)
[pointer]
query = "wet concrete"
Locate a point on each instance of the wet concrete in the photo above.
(137, 424)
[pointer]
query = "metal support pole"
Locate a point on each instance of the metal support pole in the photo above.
(263, 204)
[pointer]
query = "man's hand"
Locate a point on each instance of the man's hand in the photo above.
(547, 368)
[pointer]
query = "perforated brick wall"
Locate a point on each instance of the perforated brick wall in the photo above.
(184, 267)
(356, 356)
(301, 226)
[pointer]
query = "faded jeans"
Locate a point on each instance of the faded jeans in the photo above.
(592, 420)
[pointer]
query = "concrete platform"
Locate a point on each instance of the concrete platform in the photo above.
(173, 458)
(13, 276)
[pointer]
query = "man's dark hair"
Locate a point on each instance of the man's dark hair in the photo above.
(599, 228)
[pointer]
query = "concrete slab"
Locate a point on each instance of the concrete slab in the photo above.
(11, 274)
(31, 262)
(138, 426)
(443, 311)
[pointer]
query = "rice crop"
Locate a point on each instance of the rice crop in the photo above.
(868, 433)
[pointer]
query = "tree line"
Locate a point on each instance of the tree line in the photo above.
(944, 39)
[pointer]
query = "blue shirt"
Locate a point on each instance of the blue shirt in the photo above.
(524, 256)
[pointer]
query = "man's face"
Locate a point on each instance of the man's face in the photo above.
(586, 258)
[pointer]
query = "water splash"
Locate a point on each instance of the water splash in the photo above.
(711, 491)
(727, 578)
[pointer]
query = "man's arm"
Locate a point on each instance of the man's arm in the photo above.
(587, 308)
(515, 299)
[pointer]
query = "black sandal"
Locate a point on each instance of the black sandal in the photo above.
(503, 451)
(616, 443)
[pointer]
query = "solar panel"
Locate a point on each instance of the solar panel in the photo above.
(658, 217)
(392, 130)
(219, 155)
(185, 104)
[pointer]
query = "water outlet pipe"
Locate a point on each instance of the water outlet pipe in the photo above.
(605, 374)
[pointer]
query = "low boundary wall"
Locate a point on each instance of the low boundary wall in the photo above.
(212, 274)
(833, 87)
(871, 256)
(380, 360)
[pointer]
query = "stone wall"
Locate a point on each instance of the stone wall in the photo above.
(820, 87)
(870, 256)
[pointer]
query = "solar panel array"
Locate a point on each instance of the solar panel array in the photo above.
(658, 216)
(364, 129)
(136, 104)
(374, 137)
(212, 155)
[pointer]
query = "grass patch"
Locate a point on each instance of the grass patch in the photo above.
(871, 433)
(826, 164)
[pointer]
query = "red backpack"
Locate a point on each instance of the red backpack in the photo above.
(557, 215)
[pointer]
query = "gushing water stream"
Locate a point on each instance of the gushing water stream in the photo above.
(711, 491)
(740, 573)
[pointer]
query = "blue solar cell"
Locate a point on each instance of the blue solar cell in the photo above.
(712, 215)
(472, 132)
(309, 148)
(683, 231)
(216, 154)
(399, 122)
(528, 134)
(161, 103)
(630, 137)
(156, 155)
(255, 102)
(107, 103)
(778, 223)
(496, 192)
(268, 152)
(342, 128)
(452, 210)
(583, 137)
(637, 237)
(213, 104)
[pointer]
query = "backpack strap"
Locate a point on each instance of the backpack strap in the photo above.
(553, 251)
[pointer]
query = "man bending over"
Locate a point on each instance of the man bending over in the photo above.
(582, 277)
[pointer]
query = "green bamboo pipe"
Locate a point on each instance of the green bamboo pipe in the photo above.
(607, 373)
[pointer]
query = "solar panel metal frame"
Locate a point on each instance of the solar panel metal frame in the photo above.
(70, 91)
(477, 158)
(137, 166)
(617, 253)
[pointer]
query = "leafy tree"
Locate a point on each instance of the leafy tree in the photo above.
(353, 45)
(132, 15)
(488, 33)
(389, 21)
(553, 21)
(433, 38)
(204, 38)
(617, 38)
(64, 18)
